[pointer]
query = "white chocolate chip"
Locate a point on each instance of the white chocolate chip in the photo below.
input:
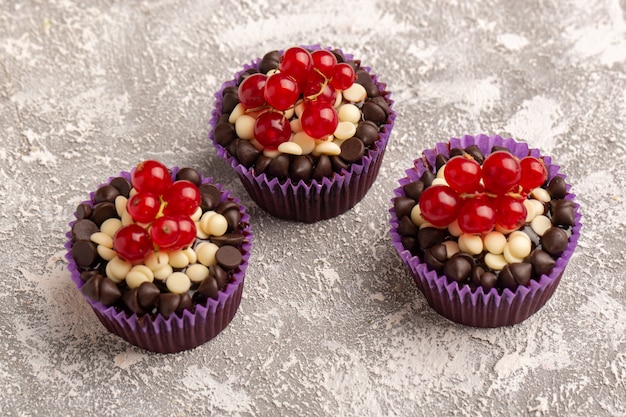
(138, 275)
(440, 181)
(355, 93)
(540, 224)
(106, 253)
(244, 126)
(197, 272)
(110, 226)
(518, 234)
(530, 210)
(200, 233)
(117, 268)
(338, 99)
(538, 207)
(441, 172)
(206, 253)
(495, 262)
(164, 272)
(299, 108)
(127, 219)
(237, 112)
(416, 215)
(120, 206)
(178, 259)
(197, 214)
(472, 244)
(345, 130)
(452, 248)
(178, 283)
(510, 257)
(455, 229)
(191, 255)
(296, 125)
(541, 194)
(494, 242)
(519, 246)
(327, 148)
(271, 153)
(290, 148)
(157, 260)
(213, 224)
(349, 113)
(306, 142)
(102, 239)
(289, 112)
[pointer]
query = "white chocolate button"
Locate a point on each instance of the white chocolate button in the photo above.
(518, 234)
(290, 148)
(200, 233)
(440, 181)
(441, 172)
(327, 148)
(138, 275)
(120, 206)
(306, 142)
(164, 272)
(127, 219)
(106, 253)
(206, 253)
(157, 260)
(538, 207)
(271, 153)
(349, 113)
(299, 108)
(416, 215)
(355, 93)
(196, 214)
(289, 112)
(197, 272)
(345, 130)
(110, 226)
(102, 239)
(338, 99)
(178, 259)
(540, 224)
(451, 248)
(213, 224)
(191, 255)
(541, 194)
(495, 262)
(117, 268)
(178, 283)
(244, 126)
(509, 257)
(455, 229)
(237, 112)
(472, 244)
(519, 247)
(296, 125)
(530, 210)
(494, 242)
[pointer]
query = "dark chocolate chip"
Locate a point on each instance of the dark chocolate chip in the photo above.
(476, 153)
(83, 211)
(131, 301)
(458, 268)
(84, 252)
(232, 239)
(498, 148)
(228, 257)
(209, 288)
(227, 206)
(221, 276)
(232, 217)
(269, 61)
(506, 279)
(83, 229)
(122, 185)
(414, 189)
(456, 152)
(185, 302)
(338, 164)
(210, 196)
(224, 133)
(147, 295)
(301, 168)
(323, 168)
(247, 153)
(91, 289)
(557, 188)
(430, 236)
(279, 167)
(103, 211)
(554, 241)
(189, 174)
(409, 242)
(109, 292)
(440, 161)
(406, 227)
(229, 102)
(245, 74)
(403, 206)
(372, 111)
(382, 103)
(88, 274)
(541, 261)
(515, 274)
(562, 213)
(352, 150)
(367, 131)
(168, 303)
(427, 178)
(486, 279)
(436, 257)
(262, 163)
(106, 193)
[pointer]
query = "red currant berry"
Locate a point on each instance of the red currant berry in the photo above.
(534, 173)
(132, 243)
(477, 215)
(296, 62)
(271, 129)
(440, 205)
(510, 213)
(183, 197)
(324, 61)
(343, 76)
(165, 232)
(186, 232)
(143, 207)
(281, 91)
(251, 90)
(318, 88)
(501, 172)
(319, 120)
(463, 174)
(151, 176)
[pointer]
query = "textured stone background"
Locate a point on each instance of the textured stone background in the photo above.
(331, 323)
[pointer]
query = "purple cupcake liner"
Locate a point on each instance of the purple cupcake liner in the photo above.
(175, 333)
(460, 303)
(317, 200)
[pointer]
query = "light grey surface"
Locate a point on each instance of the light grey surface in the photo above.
(331, 323)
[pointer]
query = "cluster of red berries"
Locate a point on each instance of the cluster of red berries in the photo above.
(162, 210)
(483, 198)
(313, 76)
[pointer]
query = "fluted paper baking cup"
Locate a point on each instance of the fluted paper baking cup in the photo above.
(475, 307)
(314, 200)
(177, 332)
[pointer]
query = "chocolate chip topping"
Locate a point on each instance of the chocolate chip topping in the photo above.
(367, 131)
(301, 168)
(189, 174)
(557, 188)
(406, 227)
(541, 261)
(84, 252)
(209, 288)
(279, 167)
(83, 211)
(554, 241)
(436, 257)
(210, 196)
(458, 267)
(83, 229)
(246, 153)
(430, 236)
(372, 111)
(103, 211)
(414, 190)
(106, 193)
(224, 133)
(122, 185)
(323, 168)
(403, 206)
(352, 150)
(228, 257)
(147, 295)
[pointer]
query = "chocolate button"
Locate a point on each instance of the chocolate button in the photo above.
(83, 211)
(106, 193)
(232, 239)
(367, 131)
(224, 133)
(476, 153)
(228, 257)
(122, 185)
(352, 150)
(372, 111)
(103, 211)
(337, 163)
(210, 197)
(189, 174)
(83, 229)
(554, 241)
(84, 252)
